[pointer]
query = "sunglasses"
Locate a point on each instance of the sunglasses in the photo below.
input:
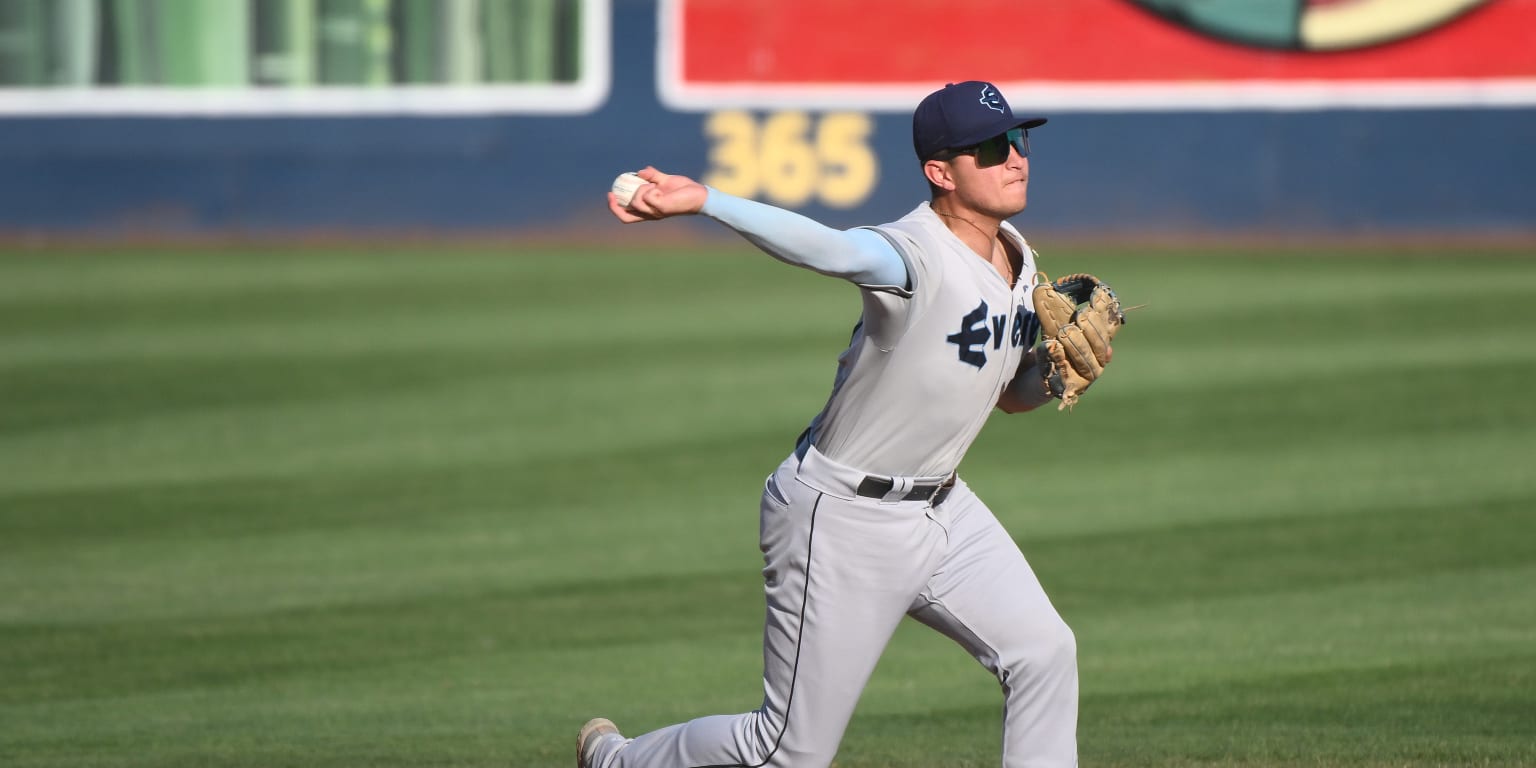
(993, 151)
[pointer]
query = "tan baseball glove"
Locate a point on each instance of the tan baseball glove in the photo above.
(1079, 316)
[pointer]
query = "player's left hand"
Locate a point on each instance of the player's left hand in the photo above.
(665, 195)
(1079, 315)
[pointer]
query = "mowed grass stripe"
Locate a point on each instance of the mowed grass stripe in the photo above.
(1231, 713)
(190, 566)
(410, 301)
(1367, 717)
(443, 370)
(1228, 635)
(1096, 579)
(117, 390)
(240, 522)
(406, 508)
(461, 421)
(331, 425)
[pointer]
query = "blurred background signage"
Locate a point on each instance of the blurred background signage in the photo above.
(1101, 54)
(303, 56)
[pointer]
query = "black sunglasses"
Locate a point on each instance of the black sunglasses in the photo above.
(993, 151)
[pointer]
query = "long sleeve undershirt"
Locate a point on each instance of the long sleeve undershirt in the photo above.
(860, 256)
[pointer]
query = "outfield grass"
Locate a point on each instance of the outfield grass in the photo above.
(438, 508)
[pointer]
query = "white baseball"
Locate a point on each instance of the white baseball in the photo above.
(624, 187)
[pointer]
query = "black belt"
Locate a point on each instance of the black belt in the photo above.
(876, 488)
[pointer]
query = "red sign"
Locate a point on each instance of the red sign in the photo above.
(1099, 54)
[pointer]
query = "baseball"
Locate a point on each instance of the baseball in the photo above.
(624, 187)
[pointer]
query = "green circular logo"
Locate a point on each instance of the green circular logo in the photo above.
(1310, 25)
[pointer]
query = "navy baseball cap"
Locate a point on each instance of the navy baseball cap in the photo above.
(963, 114)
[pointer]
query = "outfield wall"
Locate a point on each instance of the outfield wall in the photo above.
(1292, 142)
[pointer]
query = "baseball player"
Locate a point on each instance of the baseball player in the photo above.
(866, 521)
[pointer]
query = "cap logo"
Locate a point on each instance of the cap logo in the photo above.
(991, 99)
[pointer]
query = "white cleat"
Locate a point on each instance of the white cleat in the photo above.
(592, 734)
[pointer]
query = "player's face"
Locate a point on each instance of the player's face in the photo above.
(993, 178)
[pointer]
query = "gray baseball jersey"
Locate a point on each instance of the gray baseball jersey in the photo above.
(925, 366)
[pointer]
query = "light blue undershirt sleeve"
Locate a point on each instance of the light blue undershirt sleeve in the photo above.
(861, 256)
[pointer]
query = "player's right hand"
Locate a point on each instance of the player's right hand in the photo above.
(665, 195)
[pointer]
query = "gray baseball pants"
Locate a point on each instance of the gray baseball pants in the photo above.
(840, 571)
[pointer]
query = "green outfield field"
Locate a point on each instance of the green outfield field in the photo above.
(437, 508)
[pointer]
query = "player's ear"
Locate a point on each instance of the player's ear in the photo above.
(939, 174)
